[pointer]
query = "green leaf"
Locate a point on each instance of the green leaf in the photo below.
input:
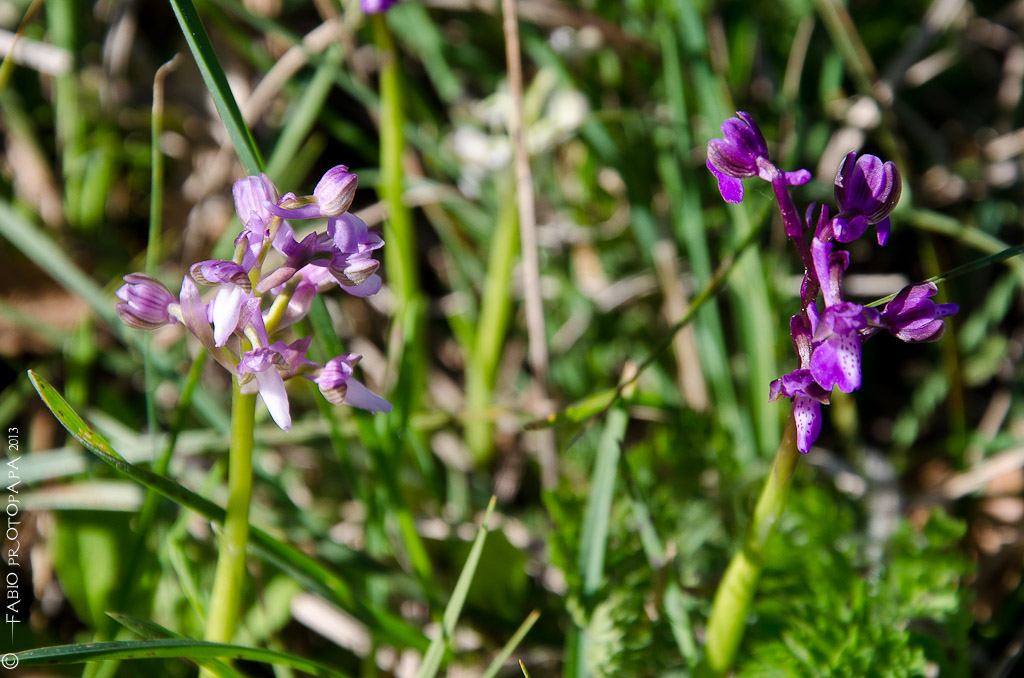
(150, 630)
(511, 645)
(167, 648)
(308, 571)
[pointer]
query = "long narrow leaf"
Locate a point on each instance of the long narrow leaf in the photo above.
(149, 630)
(432, 658)
(513, 642)
(594, 533)
(167, 648)
(313, 574)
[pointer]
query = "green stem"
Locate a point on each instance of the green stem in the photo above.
(225, 600)
(399, 255)
(735, 593)
(495, 309)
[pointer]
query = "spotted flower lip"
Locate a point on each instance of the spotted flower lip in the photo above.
(836, 360)
(808, 397)
(743, 153)
(146, 302)
(866, 190)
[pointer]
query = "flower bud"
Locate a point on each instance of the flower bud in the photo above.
(252, 195)
(333, 379)
(145, 302)
(867, 191)
(335, 191)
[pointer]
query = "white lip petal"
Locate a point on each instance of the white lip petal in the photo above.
(274, 395)
(226, 307)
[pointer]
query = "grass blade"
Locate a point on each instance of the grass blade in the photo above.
(511, 645)
(167, 648)
(594, 531)
(149, 630)
(432, 658)
(311, 573)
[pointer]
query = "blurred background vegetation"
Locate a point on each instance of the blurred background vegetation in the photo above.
(901, 550)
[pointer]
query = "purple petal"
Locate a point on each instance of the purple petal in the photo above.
(216, 271)
(146, 302)
(821, 255)
(797, 178)
(299, 304)
(849, 229)
(359, 396)
(252, 195)
(348, 232)
(753, 134)
(194, 313)
(730, 187)
(367, 288)
(882, 231)
(299, 212)
(250, 319)
(335, 191)
(730, 160)
(376, 6)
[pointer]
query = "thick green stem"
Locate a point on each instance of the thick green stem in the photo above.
(735, 593)
(225, 600)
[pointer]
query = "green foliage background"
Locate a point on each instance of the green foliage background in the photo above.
(879, 568)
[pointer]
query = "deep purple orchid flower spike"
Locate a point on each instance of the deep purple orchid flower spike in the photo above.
(829, 331)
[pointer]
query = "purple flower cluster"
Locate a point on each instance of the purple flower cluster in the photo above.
(254, 301)
(828, 340)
